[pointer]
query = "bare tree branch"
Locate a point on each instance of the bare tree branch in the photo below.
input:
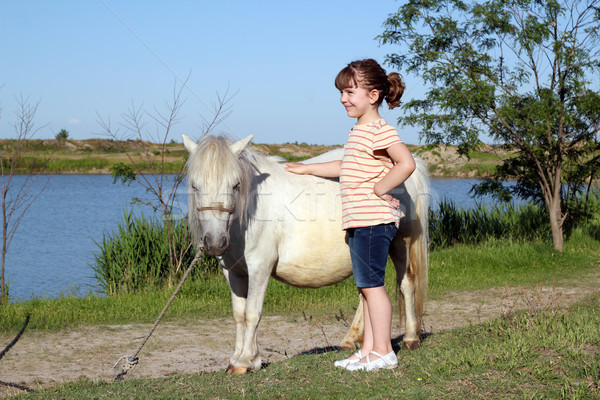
(152, 139)
(16, 198)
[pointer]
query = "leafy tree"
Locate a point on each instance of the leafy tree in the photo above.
(522, 72)
(62, 135)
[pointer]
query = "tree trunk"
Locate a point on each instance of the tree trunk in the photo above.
(555, 213)
(3, 291)
(3, 294)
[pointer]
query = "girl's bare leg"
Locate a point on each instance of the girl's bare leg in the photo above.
(378, 321)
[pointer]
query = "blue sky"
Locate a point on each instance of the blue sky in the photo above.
(89, 58)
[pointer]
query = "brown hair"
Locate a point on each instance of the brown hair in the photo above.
(369, 75)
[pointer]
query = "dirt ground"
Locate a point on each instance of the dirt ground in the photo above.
(41, 359)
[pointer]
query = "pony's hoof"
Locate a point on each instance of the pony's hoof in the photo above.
(348, 346)
(233, 370)
(411, 345)
(240, 370)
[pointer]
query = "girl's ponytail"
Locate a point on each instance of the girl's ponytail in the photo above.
(396, 90)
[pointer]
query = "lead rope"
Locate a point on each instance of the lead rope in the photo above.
(130, 362)
(7, 348)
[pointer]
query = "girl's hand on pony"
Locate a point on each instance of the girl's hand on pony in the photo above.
(297, 168)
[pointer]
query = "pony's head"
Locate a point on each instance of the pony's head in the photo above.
(218, 186)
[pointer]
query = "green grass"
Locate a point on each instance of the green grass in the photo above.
(89, 164)
(208, 297)
(512, 263)
(478, 169)
(539, 354)
(62, 165)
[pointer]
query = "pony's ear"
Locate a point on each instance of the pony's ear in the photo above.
(240, 145)
(189, 143)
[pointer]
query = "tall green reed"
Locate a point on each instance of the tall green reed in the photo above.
(451, 224)
(137, 256)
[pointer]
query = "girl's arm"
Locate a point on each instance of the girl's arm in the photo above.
(329, 169)
(403, 168)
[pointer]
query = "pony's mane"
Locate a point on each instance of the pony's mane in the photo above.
(213, 164)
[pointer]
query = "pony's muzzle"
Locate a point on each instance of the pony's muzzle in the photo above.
(215, 246)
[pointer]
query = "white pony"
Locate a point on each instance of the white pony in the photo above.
(262, 221)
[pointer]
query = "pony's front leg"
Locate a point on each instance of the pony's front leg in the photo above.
(238, 286)
(249, 358)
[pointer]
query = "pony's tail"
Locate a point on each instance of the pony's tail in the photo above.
(418, 267)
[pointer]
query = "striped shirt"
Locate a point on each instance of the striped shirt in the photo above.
(361, 170)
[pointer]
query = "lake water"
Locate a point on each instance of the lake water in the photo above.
(53, 249)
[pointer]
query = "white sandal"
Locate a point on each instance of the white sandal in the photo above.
(388, 361)
(347, 361)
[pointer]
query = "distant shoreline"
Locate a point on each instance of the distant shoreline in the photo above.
(97, 157)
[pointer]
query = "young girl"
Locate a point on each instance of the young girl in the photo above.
(375, 161)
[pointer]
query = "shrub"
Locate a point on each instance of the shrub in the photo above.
(62, 135)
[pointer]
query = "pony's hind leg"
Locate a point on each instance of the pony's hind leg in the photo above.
(354, 336)
(406, 300)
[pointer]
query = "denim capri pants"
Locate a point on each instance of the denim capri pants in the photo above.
(369, 247)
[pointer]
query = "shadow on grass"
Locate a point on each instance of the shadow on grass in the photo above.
(396, 345)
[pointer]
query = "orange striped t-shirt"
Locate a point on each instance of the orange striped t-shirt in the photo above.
(361, 170)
